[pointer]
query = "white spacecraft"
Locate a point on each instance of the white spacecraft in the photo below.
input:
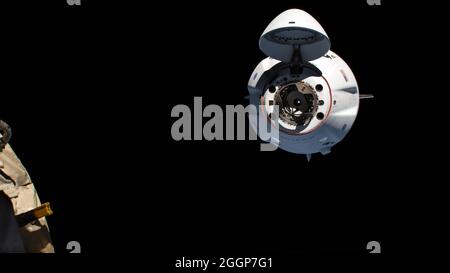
(315, 90)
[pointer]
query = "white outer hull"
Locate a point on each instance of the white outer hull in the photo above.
(339, 119)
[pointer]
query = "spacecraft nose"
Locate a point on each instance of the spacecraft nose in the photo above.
(292, 29)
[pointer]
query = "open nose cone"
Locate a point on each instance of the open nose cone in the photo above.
(291, 29)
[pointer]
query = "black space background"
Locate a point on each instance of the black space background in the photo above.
(89, 90)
